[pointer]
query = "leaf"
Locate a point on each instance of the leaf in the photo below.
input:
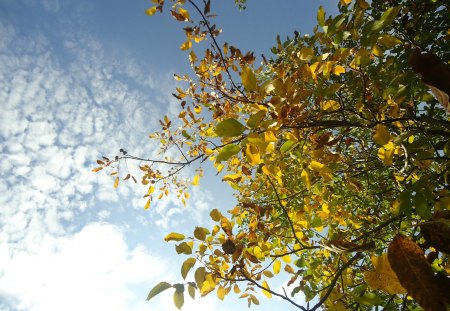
(227, 152)
(178, 295)
(162, 286)
(276, 266)
(116, 183)
(248, 79)
(415, 273)
(183, 248)
(195, 181)
(97, 169)
(221, 292)
(252, 153)
(229, 128)
(437, 234)
(321, 16)
(385, 19)
(338, 70)
(199, 276)
(174, 237)
(330, 105)
(383, 277)
(266, 286)
(370, 299)
(200, 233)
(381, 135)
(191, 290)
(215, 215)
(388, 41)
(186, 45)
(255, 119)
(147, 205)
(187, 265)
(151, 11)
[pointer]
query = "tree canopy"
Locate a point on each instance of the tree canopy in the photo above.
(338, 148)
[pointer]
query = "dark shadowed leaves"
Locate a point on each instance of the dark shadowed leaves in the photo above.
(415, 274)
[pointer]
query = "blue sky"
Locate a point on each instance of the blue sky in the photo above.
(81, 79)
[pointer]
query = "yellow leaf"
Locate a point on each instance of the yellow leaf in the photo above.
(381, 135)
(186, 45)
(236, 289)
(97, 169)
(151, 189)
(195, 181)
(386, 153)
(151, 11)
(383, 277)
(173, 236)
(147, 205)
(276, 266)
(252, 153)
(265, 292)
(306, 179)
(221, 292)
(248, 79)
(322, 169)
(330, 105)
(198, 109)
(286, 258)
(345, 2)
(116, 183)
(184, 13)
(338, 70)
(269, 136)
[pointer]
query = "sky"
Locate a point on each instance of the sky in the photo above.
(80, 79)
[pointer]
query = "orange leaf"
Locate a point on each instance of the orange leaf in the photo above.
(116, 183)
(415, 273)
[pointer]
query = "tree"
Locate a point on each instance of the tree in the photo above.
(337, 150)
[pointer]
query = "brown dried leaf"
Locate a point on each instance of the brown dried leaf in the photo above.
(415, 274)
(437, 234)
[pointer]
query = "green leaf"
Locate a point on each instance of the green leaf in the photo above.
(187, 265)
(215, 214)
(321, 16)
(227, 152)
(229, 128)
(405, 206)
(249, 79)
(256, 118)
(370, 299)
(200, 233)
(178, 296)
(191, 290)
(174, 237)
(200, 275)
(286, 146)
(158, 289)
(386, 19)
(421, 205)
(183, 248)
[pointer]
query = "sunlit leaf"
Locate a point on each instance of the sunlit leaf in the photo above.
(227, 152)
(383, 277)
(248, 79)
(266, 286)
(229, 128)
(174, 237)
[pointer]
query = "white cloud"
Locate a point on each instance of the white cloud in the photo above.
(89, 270)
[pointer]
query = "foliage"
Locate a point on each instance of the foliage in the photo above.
(338, 153)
